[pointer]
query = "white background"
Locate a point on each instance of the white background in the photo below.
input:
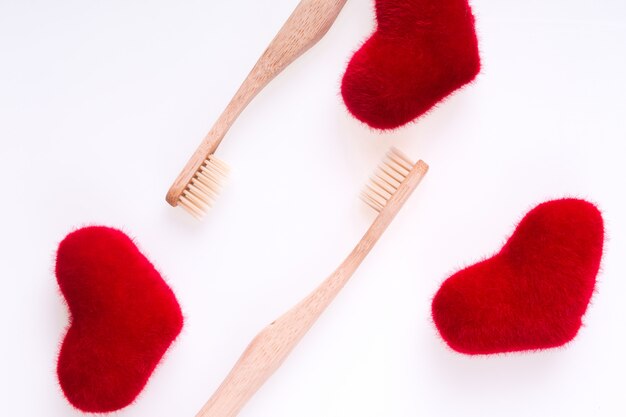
(101, 104)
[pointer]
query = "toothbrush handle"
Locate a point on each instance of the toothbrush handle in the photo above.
(260, 360)
(308, 23)
(269, 349)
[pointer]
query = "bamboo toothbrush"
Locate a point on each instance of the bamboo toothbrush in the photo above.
(199, 182)
(388, 190)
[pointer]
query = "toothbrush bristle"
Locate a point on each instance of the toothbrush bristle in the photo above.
(201, 192)
(386, 180)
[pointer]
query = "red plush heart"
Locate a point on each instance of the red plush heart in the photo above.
(123, 319)
(422, 51)
(533, 293)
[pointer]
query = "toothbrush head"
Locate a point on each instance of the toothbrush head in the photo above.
(387, 179)
(196, 193)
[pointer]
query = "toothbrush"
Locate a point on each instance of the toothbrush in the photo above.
(199, 182)
(389, 188)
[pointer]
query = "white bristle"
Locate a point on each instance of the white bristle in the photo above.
(204, 187)
(386, 180)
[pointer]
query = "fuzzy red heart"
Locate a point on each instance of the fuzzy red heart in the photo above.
(533, 293)
(421, 52)
(123, 319)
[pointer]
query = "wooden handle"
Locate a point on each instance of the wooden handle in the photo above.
(308, 23)
(271, 347)
(262, 357)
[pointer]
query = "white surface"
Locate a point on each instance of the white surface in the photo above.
(101, 104)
